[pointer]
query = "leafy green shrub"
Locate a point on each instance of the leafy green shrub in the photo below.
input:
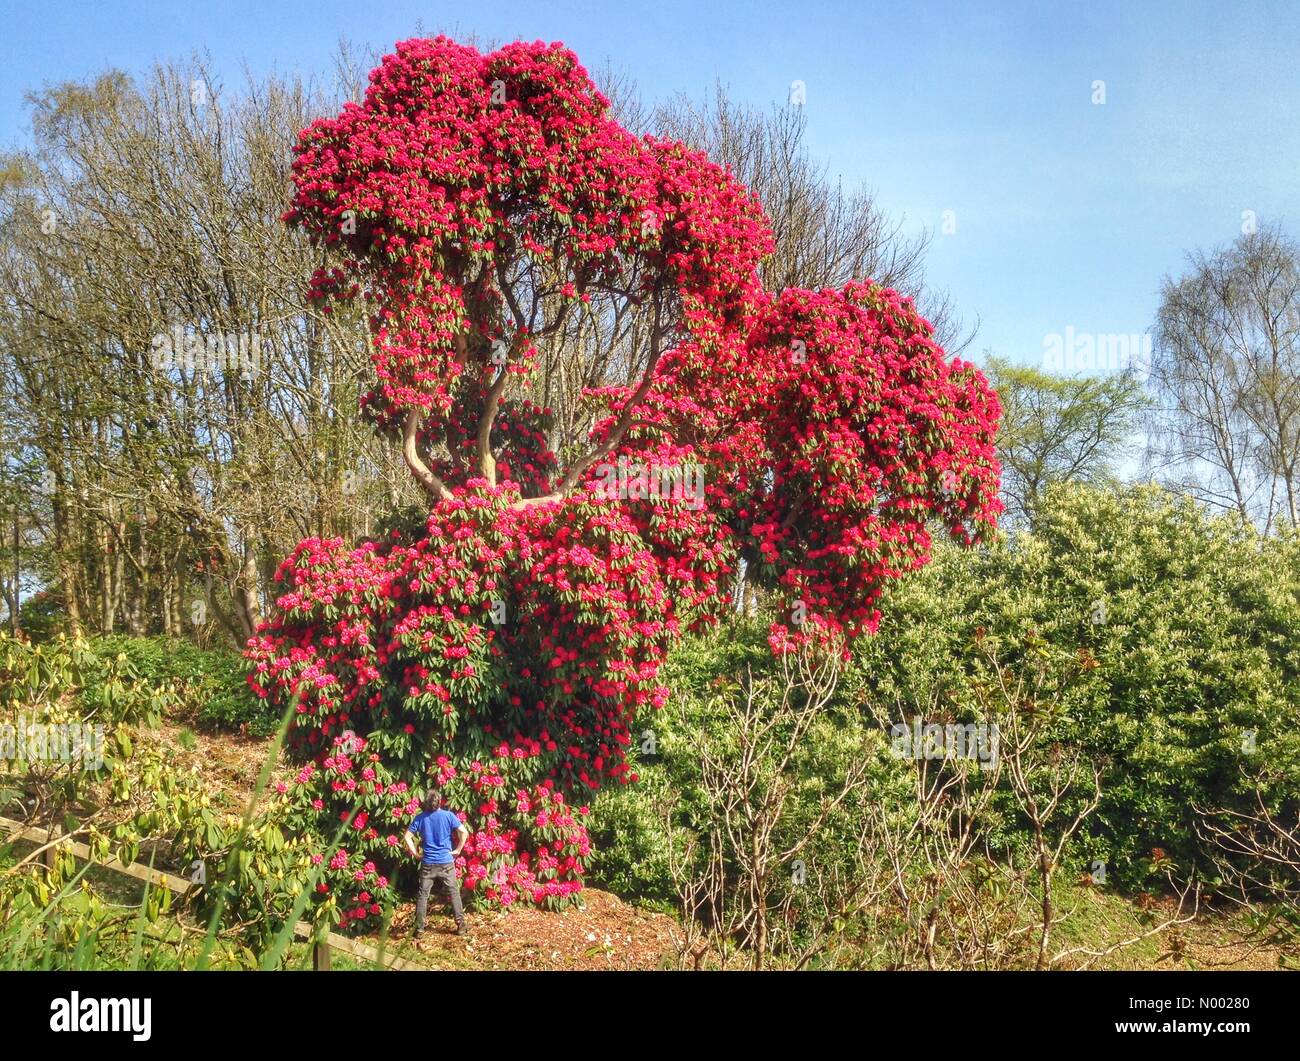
(639, 830)
(1186, 626)
(125, 797)
(210, 683)
(1189, 626)
(41, 615)
(631, 858)
(630, 825)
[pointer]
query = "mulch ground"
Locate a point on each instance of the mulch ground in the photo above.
(604, 933)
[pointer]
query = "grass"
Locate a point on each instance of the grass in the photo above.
(1096, 919)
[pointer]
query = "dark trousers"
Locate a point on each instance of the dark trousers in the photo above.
(445, 877)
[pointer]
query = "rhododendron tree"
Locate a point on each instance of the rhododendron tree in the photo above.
(502, 229)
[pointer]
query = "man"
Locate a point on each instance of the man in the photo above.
(437, 828)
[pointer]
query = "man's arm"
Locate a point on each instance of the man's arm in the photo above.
(461, 834)
(409, 837)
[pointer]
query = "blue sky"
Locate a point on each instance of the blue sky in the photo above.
(1067, 213)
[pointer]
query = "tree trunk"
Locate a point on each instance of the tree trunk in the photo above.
(66, 569)
(14, 597)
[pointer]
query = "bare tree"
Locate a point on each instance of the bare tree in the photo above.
(1226, 368)
(758, 873)
(193, 414)
(825, 233)
(1257, 855)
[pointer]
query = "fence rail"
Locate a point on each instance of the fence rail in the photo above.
(322, 949)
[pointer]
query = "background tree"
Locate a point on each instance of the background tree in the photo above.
(824, 234)
(1226, 369)
(1058, 429)
(171, 385)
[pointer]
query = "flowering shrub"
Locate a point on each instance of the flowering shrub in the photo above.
(835, 432)
(506, 650)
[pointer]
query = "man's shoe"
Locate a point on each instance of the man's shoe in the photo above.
(460, 928)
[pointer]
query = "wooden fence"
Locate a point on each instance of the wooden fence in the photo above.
(322, 949)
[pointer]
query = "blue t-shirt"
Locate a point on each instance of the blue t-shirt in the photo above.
(434, 830)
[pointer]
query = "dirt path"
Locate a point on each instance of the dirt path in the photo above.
(605, 933)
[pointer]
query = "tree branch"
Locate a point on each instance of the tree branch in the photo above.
(431, 483)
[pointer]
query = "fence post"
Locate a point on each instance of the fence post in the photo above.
(320, 956)
(51, 853)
